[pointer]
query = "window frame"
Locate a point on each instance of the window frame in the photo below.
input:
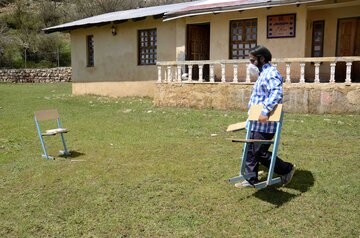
(90, 52)
(252, 43)
(151, 57)
(313, 43)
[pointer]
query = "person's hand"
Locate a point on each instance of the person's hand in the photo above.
(263, 118)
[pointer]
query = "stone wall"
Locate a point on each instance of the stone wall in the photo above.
(62, 74)
(298, 98)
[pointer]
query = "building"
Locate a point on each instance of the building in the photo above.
(125, 53)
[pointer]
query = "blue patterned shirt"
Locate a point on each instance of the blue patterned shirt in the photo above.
(267, 91)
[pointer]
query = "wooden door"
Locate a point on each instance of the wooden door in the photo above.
(348, 44)
(198, 47)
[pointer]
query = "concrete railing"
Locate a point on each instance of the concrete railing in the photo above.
(235, 71)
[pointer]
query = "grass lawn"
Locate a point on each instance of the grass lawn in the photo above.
(142, 171)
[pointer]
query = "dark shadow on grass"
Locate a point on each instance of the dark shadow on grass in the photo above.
(301, 182)
(73, 154)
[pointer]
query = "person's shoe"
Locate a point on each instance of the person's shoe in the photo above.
(285, 179)
(246, 184)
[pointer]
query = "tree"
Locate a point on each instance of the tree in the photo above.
(49, 12)
(4, 3)
(85, 8)
(21, 23)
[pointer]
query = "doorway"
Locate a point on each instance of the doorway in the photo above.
(348, 44)
(198, 47)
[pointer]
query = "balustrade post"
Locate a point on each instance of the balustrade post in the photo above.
(332, 72)
(302, 72)
(223, 73)
(235, 80)
(159, 74)
(348, 73)
(212, 80)
(247, 79)
(317, 73)
(178, 73)
(190, 67)
(169, 74)
(201, 66)
(288, 70)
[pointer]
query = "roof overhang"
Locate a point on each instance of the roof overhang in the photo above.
(174, 11)
(215, 7)
(354, 3)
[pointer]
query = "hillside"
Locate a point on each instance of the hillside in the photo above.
(24, 45)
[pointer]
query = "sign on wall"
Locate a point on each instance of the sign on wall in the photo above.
(281, 26)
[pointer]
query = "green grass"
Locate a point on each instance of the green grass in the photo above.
(158, 172)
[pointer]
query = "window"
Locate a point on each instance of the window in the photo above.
(243, 37)
(90, 50)
(318, 39)
(147, 41)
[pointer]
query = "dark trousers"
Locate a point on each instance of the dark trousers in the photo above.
(260, 153)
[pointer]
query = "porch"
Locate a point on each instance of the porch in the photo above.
(311, 85)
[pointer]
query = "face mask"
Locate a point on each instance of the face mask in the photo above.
(253, 70)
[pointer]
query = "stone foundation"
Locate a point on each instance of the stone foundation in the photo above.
(298, 98)
(62, 74)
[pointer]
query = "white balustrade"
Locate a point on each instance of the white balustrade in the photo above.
(169, 74)
(179, 73)
(159, 74)
(212, 73)
(190, 67)
(348, 72)
(247, 78)
(172, 71)
(235, 80)
(201, 67)
(332, 72)
(223, 79)
(288, 71)
(317, 72)
(302, 72)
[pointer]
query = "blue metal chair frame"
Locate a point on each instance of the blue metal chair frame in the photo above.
(243, 176)
(49, 115)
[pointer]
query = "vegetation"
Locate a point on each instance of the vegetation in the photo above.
(22, 42)
(142, 171)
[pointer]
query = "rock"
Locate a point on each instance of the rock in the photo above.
(36, 75)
